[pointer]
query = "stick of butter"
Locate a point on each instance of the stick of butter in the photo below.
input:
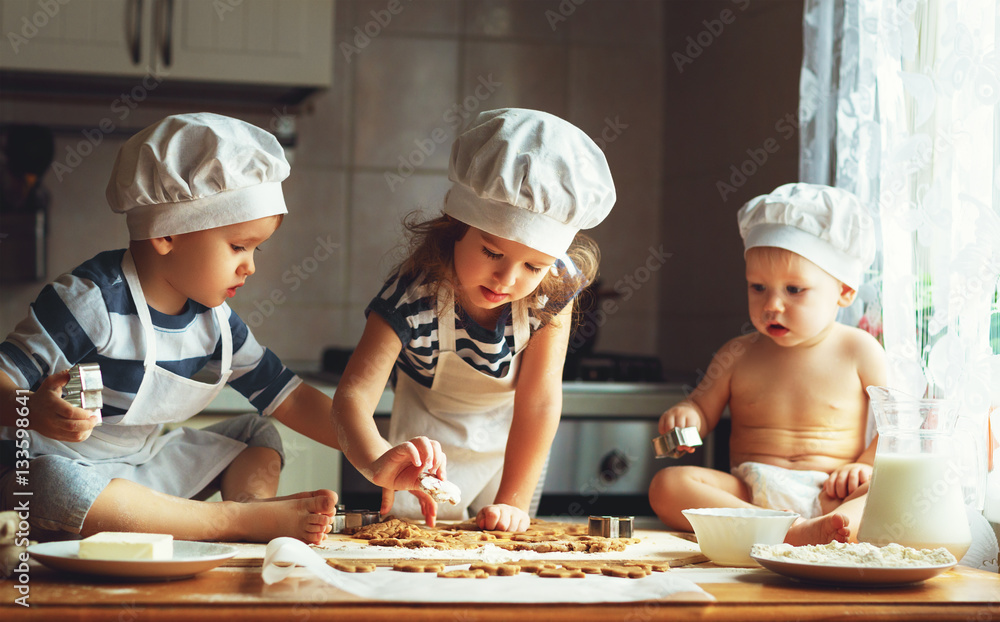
(118, 545)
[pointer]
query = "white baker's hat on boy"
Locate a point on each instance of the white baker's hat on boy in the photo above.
(528, 176)
(190, 172)
(826, 225)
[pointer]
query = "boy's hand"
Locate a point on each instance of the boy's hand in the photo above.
(502, 517)
(846, 479)
(680, 416)
(52, 416)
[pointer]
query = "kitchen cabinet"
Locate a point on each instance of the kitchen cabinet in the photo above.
(266, 42)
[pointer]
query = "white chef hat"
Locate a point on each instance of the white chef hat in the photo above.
(828, 226)
(528, 176)
(190, 172)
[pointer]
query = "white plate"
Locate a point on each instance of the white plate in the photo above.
(851, 575)
(189, 559)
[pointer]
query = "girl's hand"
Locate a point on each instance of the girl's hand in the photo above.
(502, 517)
(54, 417)
(400, 468)
(846, 479)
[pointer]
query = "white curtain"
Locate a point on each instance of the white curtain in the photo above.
(899, 104)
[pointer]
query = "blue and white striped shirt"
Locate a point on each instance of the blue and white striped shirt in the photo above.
(411, 311)
(89, 316)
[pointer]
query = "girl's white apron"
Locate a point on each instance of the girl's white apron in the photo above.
(180, 463)
(467, 411)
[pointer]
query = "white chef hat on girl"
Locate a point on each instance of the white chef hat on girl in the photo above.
(190, 172)
(528, 176)
(828, 226)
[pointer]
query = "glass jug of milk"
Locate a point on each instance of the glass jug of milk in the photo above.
(915, 495)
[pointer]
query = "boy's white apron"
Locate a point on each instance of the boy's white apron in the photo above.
(179, 463)
(465, 410)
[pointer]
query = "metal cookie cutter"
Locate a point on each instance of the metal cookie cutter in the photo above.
(84, 387)
(350, 521)
(667, 446)
(611, 526)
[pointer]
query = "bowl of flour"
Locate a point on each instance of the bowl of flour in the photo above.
(857, 563)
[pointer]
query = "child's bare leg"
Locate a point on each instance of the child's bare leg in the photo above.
(839, 521)
(251, 475)
(127, 506)
(683, 487)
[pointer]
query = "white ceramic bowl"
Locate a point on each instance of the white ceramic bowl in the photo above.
(726, 535)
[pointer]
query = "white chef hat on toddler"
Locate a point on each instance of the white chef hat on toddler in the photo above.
(826, 225)
(190, 172)
(528, 176)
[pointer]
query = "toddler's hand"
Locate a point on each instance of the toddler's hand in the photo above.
(52, 416)
(680, 416)
(502, 517)
(846, 479)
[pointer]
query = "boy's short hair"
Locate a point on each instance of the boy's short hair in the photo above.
(190, 172)
(826, 225)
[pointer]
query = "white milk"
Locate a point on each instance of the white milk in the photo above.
(916, 500)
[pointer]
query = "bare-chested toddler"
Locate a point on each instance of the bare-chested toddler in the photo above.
(795, 387)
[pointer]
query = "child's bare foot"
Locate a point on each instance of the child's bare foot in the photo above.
(305, 515)
(819, 530)
(303, 495)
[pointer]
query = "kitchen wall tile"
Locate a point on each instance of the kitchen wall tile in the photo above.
(636, 21)
(515, 19)
(703, 286)
(305, 261)
(736, 93)
(629, 330)
(324, 125)
(377, 232)
(621, 111)
(438, 17)
(298, 332)
(405, 88)
(522, 75)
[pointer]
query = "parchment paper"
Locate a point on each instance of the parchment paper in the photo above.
(284, 554)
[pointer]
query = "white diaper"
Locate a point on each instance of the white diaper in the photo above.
(777, 488)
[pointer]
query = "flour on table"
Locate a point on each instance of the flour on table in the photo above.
(860, 554)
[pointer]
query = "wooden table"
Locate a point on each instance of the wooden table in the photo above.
(231, 593)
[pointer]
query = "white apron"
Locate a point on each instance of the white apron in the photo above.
(180, 463)
(465, 410)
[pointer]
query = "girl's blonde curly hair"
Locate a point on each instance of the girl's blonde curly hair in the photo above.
(432, 252)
